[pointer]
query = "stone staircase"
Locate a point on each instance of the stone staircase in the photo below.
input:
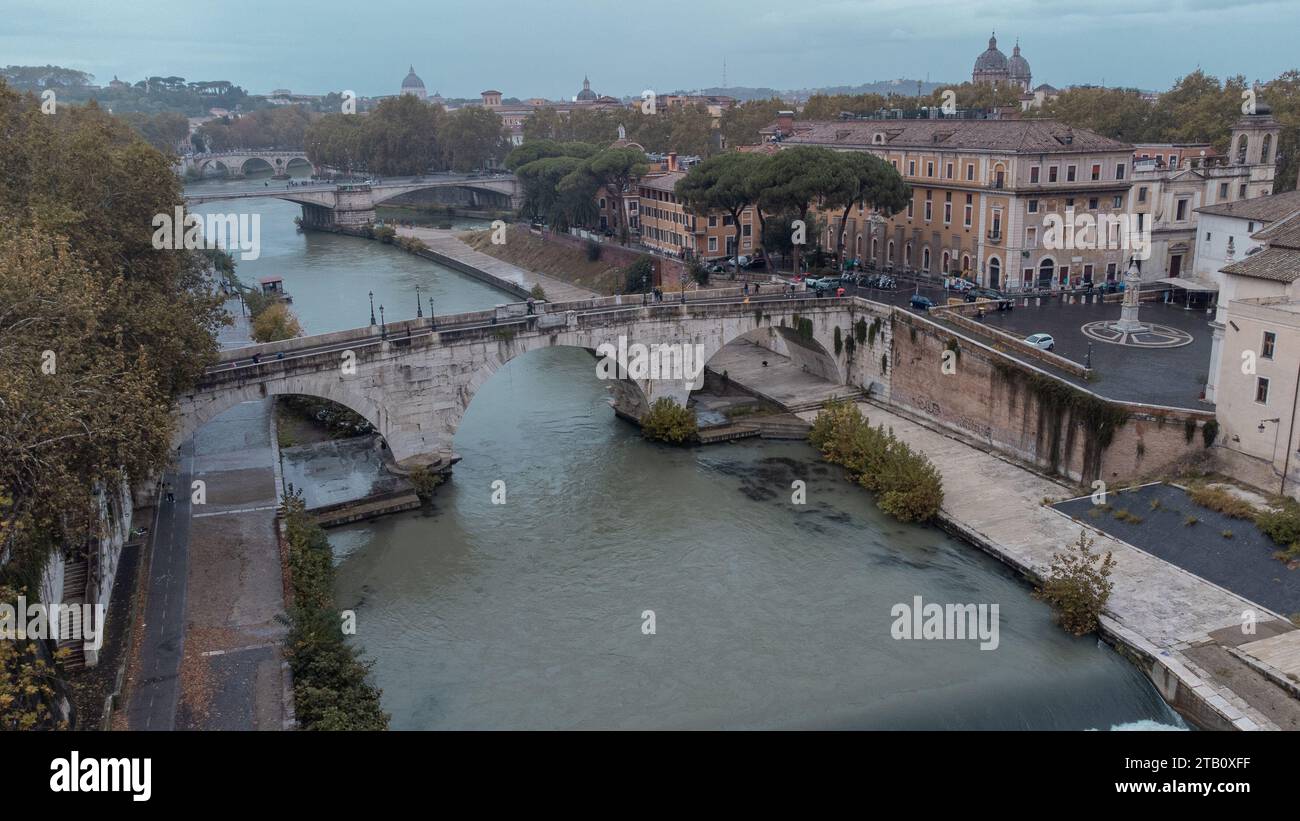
(75, 578)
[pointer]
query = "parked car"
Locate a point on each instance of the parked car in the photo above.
(959, 284)
(1041, 341)
(921, 303)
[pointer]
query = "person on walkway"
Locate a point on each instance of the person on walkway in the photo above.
(171, 497)
(531, 306)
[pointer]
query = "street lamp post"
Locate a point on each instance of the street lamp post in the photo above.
(372, 307)
(419, 309)
(383, 328)
(433, 323)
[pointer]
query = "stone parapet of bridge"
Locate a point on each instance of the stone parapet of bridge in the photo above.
(416, 388)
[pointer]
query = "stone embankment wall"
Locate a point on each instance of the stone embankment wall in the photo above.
(1026, 413)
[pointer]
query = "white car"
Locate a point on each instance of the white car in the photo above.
(1042, 341)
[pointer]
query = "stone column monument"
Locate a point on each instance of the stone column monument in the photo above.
(1128, 313)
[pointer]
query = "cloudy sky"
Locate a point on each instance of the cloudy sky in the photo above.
(543, 48)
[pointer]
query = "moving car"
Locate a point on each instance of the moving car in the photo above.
(1005, 303)
(921, 303)
(1041, 341)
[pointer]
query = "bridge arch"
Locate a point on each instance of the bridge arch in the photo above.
(256, 165)
(196, 413)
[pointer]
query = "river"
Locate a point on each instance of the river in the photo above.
(767, 614)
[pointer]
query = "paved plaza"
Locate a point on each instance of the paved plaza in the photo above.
(1173, 376)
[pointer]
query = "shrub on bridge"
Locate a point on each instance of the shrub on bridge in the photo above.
(385, 233)
(667, 421)
(907, 485)
(1078, 586)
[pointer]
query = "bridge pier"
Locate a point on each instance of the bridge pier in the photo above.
(317, 217)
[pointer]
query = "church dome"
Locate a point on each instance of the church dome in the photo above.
(991, 60)
(586, 95)
(412, 81)
(1018, 66)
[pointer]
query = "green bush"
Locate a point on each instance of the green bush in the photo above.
(330, 691)
(425, 481)
(385, 233)
(537, 292)
(1281, 524)
(1078, 586)
(907, 486)
(667, 421)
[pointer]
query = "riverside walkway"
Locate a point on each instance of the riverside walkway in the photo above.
(1167, 617)
(447, 243)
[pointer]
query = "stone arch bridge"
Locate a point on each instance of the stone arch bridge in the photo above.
(241, 163)
(414, 382)
(335, 205)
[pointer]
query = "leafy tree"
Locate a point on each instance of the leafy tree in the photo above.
(98, 329)
(472, 138)
(741, 122)
(614, 169)
(724, 182)
(864, 180)
(275, 323)
(795, 179)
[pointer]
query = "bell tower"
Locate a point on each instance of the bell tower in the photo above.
(1254, 145)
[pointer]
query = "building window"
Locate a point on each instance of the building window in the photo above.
(713, 222)
(1031, 237)
(1180, 213)
(1070, 173)
(1033, 206)
(1118, 201)
(949, 170)
(1261, 390)
(947, 213)
(602, 203)
(1092, 203)
(1096, 171)
(911, 168)
(1223, 190)
(1051, 174)
(929, 169)
(1033, 175)
(1270, 342)
(970, 171)
(1241, 192)
(1142, 193)
(713, 244)
(1119, 171)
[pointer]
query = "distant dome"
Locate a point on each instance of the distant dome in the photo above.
(586, 95)
(991, 60)
(412, 81)
(1018, 66)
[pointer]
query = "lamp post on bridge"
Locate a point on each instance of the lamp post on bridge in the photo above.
(433, 323)
(419, 309)
(383, 328)
(372, 307)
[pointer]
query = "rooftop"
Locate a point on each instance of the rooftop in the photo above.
(1016, 136)
(1263, 209)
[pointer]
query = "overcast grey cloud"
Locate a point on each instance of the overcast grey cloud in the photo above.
(544, 48)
